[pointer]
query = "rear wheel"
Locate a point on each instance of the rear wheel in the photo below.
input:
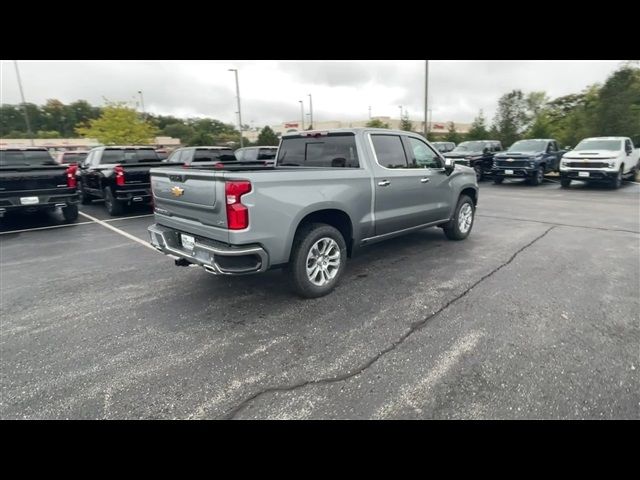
(459, 227)
(85, 198)
(114, 207)
(478, 168)
(318, 259)
(565, 182)
(70, 213)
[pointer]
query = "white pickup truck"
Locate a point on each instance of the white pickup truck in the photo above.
(600, 159)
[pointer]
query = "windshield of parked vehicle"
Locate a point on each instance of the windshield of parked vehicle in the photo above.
(73, 157)
(470, 147)
(528, 146)
(129, 155)
(599, 145)
(25, 157)
(335, 150)
(214, 155)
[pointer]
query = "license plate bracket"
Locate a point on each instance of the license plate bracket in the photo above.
(508, 172)
(583, 174)
(29, 200)
(188, 242)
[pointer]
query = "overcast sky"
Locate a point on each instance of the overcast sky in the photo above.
(270, 90)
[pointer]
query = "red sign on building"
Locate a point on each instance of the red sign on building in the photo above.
(291, 125)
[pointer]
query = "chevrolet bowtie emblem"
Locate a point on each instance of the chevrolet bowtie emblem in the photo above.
(177, 191)
(509, 159)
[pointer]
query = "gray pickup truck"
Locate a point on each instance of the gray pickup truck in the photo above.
(329, 194)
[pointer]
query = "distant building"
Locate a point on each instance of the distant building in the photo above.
(77, 143)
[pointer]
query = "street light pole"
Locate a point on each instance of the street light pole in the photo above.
(302, 112)
(426, 96)
(235, 70)
(369, 112)
(310, 111)
(400, 107)
(144, 113)
(24, 104)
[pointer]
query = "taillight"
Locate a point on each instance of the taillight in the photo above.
(119, 171)
(71, 176)
(237, 213)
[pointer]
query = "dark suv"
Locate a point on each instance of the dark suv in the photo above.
(477, 154)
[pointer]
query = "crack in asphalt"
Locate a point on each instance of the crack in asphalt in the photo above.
(415, 326)
(560, 224)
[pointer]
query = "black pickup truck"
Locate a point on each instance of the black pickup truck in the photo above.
(477, 154)
(31, 180)
(529, 159)
(119, 175)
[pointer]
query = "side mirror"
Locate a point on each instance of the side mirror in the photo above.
(485, 150)
(568, 147)
(449, 165)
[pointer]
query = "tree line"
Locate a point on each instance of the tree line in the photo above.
(610, 109)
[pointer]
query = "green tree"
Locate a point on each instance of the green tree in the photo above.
(618, 109)
(511, 118)
(541, 127)
(268, 137)
(478, 130)
(178, 130)
(452, 135)
(47, 134)
(377, 123)
(405, 123)
(119, 124)
(200, 139)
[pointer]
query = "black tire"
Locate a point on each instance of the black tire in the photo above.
(565, 182)
(114, 207)
(478, 168)
(85, 198)
(452, 228)
(70, 213)
(305, 239)
(498, 180)
(538, 178)
(617, 181)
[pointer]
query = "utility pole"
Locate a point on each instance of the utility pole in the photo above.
(400, 124)
(310, 112)
(369, 112)
(235, 70)
(24, 104)
(302, 112)
(426, 96)
(144, 113)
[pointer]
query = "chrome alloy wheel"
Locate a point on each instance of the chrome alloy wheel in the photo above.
(323, 261)
(465, 217)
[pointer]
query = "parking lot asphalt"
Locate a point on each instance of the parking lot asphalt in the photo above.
(535, 315)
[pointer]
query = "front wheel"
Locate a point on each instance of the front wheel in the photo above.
(617, 181)
(538, 177)
(565, 182)
(70, 213)
(498, 180)
(459, 227)
(85, 198)
(318, 259)
(478, 168)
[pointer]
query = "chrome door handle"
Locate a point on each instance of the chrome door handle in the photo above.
(424, 180)
(384, 183)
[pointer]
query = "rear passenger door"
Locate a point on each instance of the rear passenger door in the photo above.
(400, 191)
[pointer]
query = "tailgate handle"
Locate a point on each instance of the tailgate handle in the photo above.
(384, 183)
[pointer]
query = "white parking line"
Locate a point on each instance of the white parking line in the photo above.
(72, 224)
(44, 228)
(117, 230)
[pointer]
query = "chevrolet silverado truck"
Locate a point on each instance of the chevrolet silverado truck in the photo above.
(119, 175)
(329, 194)
(600, 159)
(31, 180)
(528, 159)
(477, 154)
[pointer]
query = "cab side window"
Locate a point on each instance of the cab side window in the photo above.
(389, 151)
(551, 148)
(421, 156)
(250, 154)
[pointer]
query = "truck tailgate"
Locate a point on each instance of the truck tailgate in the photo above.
(46, 177)
(138, 173)
(190, 199)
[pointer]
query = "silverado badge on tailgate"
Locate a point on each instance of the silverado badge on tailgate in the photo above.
(177, 191)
